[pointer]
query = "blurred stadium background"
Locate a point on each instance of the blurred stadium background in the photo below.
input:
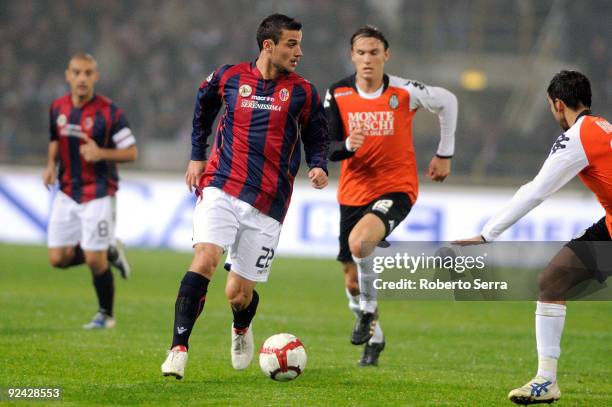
(497, 56)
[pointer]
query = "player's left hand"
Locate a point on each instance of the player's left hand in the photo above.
(90, 150)
(49, 176)
(469, 242)
(195, 170)
(318, 178)
(439, 168)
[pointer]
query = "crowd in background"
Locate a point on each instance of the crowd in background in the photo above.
(153, 54)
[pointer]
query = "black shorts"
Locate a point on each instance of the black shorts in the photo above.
(391, 208)
(592, 250)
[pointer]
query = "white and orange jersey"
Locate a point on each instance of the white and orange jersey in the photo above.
(584, 150)
(386, 162)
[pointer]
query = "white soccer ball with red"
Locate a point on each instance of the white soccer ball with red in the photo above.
(282, 357)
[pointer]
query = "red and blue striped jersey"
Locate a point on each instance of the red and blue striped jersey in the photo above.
(256, 152)
(101, 120)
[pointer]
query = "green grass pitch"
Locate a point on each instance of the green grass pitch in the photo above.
(438, 353)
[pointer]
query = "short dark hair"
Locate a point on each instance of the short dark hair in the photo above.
(83, 56)
(572, 87)
(369, 31)
(272, 28)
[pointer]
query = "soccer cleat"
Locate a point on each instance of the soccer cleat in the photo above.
(364, 327)
(538, 390)
(242, 347)
(100, 321)
(175, 362)
(117, 258)
(371, 352)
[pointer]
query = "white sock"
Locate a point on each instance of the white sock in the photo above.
(368, 296)
(378, 336)
(550, 319)
(353, 302)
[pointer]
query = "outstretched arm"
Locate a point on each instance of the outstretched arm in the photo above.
(560, 167)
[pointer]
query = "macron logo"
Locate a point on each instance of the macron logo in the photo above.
(180, 330)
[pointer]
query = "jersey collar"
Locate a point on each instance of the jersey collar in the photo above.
(385, 82)
(93, 97)
(586, 112)
(254, 70)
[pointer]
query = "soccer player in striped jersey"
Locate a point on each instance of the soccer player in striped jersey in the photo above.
(245, 185)
(584, 149)
(89, 135)
(370, 118)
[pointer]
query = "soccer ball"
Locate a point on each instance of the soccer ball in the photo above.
(282, 357)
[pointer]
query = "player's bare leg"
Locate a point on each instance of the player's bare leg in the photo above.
(243, 299)
(105, 289)
(189, 305)
(64, 257)
(364, 237)
(351, 286)
(565, 271)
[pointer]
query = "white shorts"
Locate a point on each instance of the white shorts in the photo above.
(92, 224)
(230, 223)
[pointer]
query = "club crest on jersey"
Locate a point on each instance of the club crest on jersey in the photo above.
(245, 91)
(393, 101)
(88, 124)
(283, 94)
(61, 120)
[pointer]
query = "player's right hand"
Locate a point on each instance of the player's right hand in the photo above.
(318, 178)
(195, 169)
(49, 176)
(356, 139)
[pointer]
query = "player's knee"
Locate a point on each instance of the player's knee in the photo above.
(57, 259)
(205, 267)
(553, 284)
(356, 245)
(203, 263)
